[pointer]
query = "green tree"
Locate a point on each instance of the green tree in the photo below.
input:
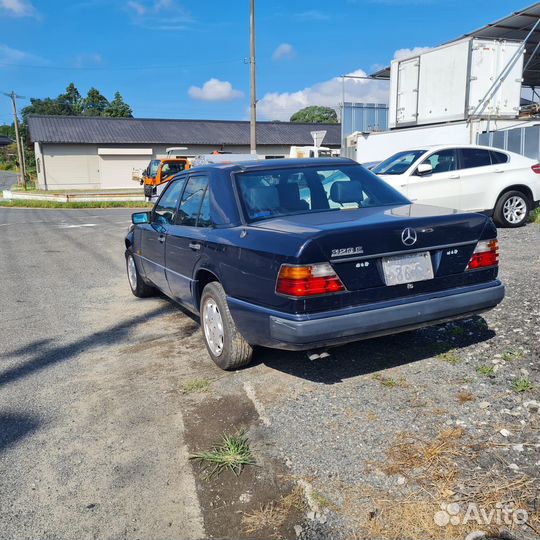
(118, 108)
(72, 99)
(8, 130)
(315, 114)
(95, 103)
(45, 106)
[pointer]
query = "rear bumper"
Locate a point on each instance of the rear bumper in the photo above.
(270, 328)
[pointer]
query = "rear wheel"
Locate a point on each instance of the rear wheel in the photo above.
(228, 349)
(512, 209)
(138, 287)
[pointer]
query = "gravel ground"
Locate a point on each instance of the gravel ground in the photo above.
(335, 421)
(96, 423)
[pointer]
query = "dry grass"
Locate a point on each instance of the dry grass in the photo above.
(433, 457)
(464, 397)
(439, 470)
(273, 515)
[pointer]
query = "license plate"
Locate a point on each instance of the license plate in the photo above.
(407, 268)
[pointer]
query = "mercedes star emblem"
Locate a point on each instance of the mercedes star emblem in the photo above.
(409, 236)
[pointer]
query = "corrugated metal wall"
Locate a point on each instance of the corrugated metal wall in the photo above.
(521, 140)
(361, 117)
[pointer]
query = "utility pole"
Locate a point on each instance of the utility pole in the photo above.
(253, 120)
(13, 96)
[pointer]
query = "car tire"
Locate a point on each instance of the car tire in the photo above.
(148, 191)
(512, 209)
(136, 283)
(225, 345)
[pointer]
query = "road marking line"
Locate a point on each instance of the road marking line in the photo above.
(259, 407)
(68, 226)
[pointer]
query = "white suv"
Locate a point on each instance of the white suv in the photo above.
(469, 178)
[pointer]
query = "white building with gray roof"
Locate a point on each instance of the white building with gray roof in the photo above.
(79, 152)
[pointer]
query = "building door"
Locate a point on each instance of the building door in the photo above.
(116, 166)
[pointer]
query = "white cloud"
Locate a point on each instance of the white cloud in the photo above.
(283, 51)
(158, 14)
(137, 8)
(406, 53)
(281, 106)
(8, 55)
(312, 15)
(85, 59)
(18, 8)
(215, 90)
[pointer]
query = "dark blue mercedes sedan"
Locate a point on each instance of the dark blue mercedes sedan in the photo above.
(307, 254)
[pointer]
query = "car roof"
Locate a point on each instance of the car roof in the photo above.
(431, 147)
(264, 164)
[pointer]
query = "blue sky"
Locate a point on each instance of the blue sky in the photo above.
(197, 49)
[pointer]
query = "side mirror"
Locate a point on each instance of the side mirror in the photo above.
(140, 217)
(423, 169)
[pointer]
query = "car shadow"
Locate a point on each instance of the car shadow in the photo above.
(13, 427)
(43, 354)
(372, 355)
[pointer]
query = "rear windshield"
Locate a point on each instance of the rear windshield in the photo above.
(284, 192)
(398, 163)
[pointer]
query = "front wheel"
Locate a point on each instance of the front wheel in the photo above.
(138, 287)
(228, 349)
(512, 209)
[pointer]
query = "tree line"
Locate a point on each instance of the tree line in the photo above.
(70, 103)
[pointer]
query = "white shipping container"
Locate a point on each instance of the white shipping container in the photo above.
(448, 83)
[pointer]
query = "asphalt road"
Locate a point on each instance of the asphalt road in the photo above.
(7, 179)
(91, 439)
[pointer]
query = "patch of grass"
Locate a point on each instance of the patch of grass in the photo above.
(390, 382)
(481, 324)
(195, 386)
(273, 515)
(321, 501)
(409, 453)
(457, 331)
(485, 371)
(233, 454)
(450, 357)
(512, 354)
(534, 216)
(465, 396)
(19, 203)
(522, 385)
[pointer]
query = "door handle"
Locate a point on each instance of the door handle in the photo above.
(161, 238)
(499, 170)
(454, 176)
(195, 245)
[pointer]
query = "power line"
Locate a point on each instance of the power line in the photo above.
(126, 68)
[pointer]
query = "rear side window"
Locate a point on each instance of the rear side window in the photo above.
(192, 201)
(475, 157)
(166, 206)
(284, 192)
(498, 157)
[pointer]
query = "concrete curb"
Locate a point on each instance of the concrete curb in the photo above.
(72, 197)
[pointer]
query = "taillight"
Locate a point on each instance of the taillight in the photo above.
(309, 280)
(536, 168)
(486, 253)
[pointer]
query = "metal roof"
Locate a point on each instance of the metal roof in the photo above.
(265, 164)
(100, 130)
(513, 27)
(4, 140)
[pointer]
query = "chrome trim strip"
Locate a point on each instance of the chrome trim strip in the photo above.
(164, 267)
(402, 252)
